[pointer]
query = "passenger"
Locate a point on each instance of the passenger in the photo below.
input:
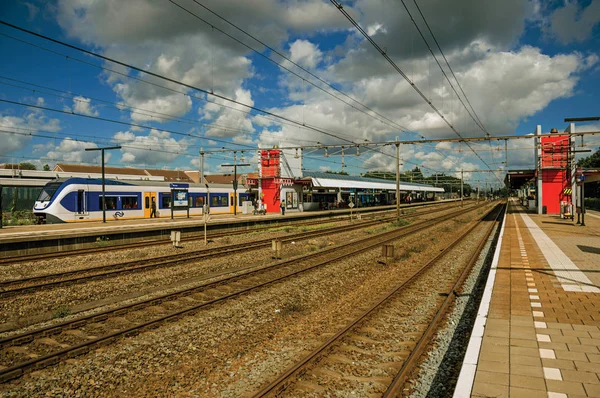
(282, 206)
(153, 208)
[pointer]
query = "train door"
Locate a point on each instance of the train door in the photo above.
(148, 196)
(81, 207)
(231, 203)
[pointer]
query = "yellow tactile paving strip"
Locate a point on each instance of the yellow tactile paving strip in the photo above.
(539, 340)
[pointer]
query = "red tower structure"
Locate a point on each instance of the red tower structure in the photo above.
(270, 178)
(555, 169)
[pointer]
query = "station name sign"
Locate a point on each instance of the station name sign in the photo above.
(179, 186)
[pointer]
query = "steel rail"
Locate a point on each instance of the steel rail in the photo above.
(113, 270)
(17, 370)
(125, 246)
(280, 383)
(412, 360)
(162, 261)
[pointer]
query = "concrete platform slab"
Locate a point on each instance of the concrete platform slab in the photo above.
(545, 305)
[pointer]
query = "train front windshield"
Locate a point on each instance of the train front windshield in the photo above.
(48, 191)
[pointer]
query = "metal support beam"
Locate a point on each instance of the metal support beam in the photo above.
(103, 180)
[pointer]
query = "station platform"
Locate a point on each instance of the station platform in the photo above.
(537, 332)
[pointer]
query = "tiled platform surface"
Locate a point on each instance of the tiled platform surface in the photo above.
(541, 336)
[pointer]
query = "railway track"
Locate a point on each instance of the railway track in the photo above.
(43, 347)
(32, 284)
(370, 334)
(212, 235)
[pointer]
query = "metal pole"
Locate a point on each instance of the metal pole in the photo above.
(397, 181)
(201, 165)
(1, 215)
(103, 181)
(103, 190)
(583, 204)
(461, 188)
(234, 184)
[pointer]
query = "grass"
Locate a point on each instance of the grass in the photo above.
(61, 312)
(102, 241)
(291, 307)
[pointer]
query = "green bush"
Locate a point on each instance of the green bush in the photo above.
(592, 203)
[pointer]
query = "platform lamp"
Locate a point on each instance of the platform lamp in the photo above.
(235, 182)
(103, 184)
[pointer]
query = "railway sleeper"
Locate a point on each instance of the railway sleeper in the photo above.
(100, 318)
(22, 340)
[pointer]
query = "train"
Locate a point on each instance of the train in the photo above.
(80, 199)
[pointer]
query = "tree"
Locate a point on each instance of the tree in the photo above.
(590, 162)
(27, 166)
(336, 172)
(592, 189)
(46, 167)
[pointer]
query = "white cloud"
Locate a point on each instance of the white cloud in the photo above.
(73, 151)
(14, 135)
(233, 121)
(305, 53)
(155, 148)
(83, 106)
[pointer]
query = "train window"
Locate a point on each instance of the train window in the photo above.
(111, 202)
(199, 201)
(166, 201)
(129, 202)
(147, 202)
(49, 190)
(214, 201)
(224, 201)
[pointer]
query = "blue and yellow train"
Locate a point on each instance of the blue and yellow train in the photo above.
(80, 199)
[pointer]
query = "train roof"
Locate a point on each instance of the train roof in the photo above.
(112, 182)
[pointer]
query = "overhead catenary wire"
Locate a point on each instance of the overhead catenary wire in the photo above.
(385, 120)
(449, 67)
(159, 76)
(476, 120)
(283, 121)
(401, 72)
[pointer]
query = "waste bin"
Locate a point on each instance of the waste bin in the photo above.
(544, 209)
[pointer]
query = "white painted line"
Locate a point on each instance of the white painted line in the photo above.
(538, 314)
(536, 305)
(464, 385)
(558, 260)
(534, 297)
(557, 395)
(545, 338)
(532, 290)
(547, 353)
(540, 325)
(552, 374)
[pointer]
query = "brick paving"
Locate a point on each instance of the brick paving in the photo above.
(541, 340)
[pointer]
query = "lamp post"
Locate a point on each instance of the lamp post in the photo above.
(235, 182)
(103, 183)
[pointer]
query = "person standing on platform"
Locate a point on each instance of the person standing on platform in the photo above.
(282, 206)
(153, 208)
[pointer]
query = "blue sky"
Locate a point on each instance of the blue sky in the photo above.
(520, 63)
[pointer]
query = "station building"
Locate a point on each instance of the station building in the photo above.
(281, 178)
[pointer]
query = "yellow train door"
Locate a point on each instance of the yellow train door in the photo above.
(148, 196)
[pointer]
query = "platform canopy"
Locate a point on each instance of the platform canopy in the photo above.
(516, 179)
(326, 180)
